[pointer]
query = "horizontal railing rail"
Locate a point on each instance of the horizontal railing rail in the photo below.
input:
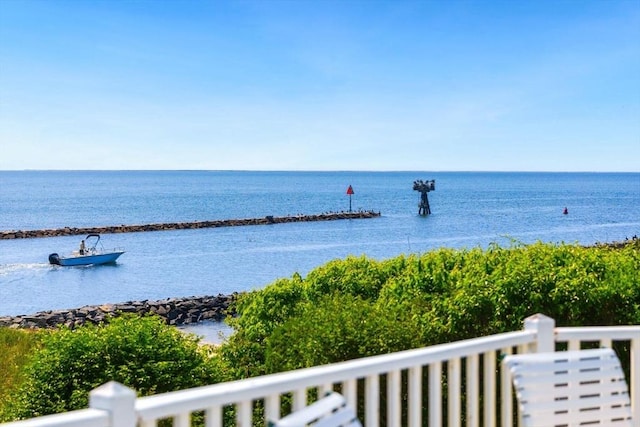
(81, 418)
(452, 384)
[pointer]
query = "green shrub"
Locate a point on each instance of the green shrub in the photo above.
(140, 352)
(358, 276)
(341, 327)
(357, 307)
(258, 313)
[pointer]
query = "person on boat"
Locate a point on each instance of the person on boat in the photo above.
(82, 248)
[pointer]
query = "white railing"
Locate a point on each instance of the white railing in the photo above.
(454, 384)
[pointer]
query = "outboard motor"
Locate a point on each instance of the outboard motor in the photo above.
(54, 259)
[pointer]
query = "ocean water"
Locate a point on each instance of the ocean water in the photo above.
(468, 210)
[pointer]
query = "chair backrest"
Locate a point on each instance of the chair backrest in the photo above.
(330, 411)
(570, 388)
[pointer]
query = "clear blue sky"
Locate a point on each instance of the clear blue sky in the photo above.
(441, 85)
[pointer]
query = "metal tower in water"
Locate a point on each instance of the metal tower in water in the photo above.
(424, 187)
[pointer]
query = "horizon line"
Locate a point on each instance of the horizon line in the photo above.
(322, 170)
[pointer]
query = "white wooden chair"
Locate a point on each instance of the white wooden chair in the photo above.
(330, 411)
(570, 388)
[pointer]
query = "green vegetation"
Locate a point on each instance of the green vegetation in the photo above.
(360, 307)
(140, 352)
(342, 310)
(17, 345)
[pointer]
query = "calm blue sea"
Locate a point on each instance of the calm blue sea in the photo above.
(469, 210)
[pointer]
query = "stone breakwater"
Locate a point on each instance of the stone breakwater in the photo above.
(74, 231)
(175, 311)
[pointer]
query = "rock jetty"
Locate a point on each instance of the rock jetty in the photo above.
(175, 311)
(74, 231)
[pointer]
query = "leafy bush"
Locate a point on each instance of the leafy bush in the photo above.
(341, 327)
(140, 352)
(357, 307)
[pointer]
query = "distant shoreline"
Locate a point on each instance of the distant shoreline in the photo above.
(76, 231)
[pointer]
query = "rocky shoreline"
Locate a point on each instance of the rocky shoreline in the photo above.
(175, 311)
(74, 231)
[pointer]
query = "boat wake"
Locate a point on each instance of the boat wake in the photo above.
(12, 268)
(16, 272)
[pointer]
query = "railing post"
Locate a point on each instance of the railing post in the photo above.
(544, 327)
(116, 399)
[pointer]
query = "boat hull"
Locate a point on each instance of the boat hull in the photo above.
(95, 259)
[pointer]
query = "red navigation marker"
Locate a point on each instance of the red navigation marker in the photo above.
(350, 193)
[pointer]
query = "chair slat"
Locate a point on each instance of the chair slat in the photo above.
(573, 405)
(536, 394)
(330, 411)
(343, 417)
